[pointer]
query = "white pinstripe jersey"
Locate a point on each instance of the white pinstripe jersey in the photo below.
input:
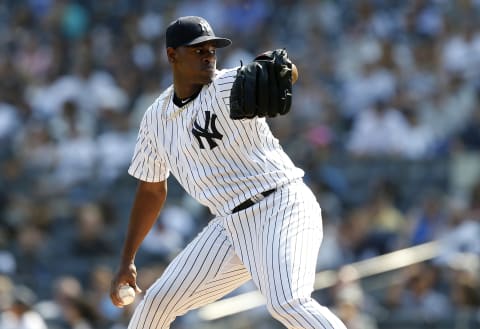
(218, 161)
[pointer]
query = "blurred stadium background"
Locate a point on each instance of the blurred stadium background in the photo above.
(385, 121)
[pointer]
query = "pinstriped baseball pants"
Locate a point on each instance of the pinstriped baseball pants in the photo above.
(275, 243)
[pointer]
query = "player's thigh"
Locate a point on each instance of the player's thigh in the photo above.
(287, 241)
(289, 244)
(204, 271)
(278, 240)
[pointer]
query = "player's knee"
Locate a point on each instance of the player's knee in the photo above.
(288, 310)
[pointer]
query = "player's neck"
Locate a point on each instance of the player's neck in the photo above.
(186, 91)
(185, 100)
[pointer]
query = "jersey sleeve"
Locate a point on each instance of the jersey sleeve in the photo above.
(147, 163)
(223, 85)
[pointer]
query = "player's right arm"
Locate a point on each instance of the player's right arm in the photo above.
(149, 200)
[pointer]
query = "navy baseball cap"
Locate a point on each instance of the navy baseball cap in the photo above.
(192, 30)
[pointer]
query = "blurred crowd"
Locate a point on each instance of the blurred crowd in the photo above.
(385, 121)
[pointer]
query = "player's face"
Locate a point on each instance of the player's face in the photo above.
(196, 63)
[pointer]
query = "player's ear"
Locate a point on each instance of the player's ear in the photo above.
(171, 55)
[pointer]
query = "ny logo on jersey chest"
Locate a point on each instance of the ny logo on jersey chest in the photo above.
(209, 132)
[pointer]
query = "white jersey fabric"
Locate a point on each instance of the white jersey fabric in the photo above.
(234, 159)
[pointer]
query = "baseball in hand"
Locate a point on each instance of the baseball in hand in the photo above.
(294, 73)
(126, 294)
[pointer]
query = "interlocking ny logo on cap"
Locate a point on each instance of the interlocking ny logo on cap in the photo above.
(206, 29)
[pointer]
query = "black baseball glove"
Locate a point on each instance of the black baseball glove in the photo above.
(262, 88)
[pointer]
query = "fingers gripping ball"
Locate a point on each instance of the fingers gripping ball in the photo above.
(263, 88)
(126, 294)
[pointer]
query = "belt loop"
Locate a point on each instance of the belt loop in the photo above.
(254, 199)
(257, 198)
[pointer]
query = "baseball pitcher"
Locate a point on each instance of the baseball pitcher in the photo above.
(209, 130)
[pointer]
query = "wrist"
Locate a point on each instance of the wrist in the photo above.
(126, 260)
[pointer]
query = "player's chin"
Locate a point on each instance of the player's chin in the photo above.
(208, 74)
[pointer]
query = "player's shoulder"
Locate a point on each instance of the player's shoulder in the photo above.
(225, 76)
(223, 81)
(154, 111)
(157, 104)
